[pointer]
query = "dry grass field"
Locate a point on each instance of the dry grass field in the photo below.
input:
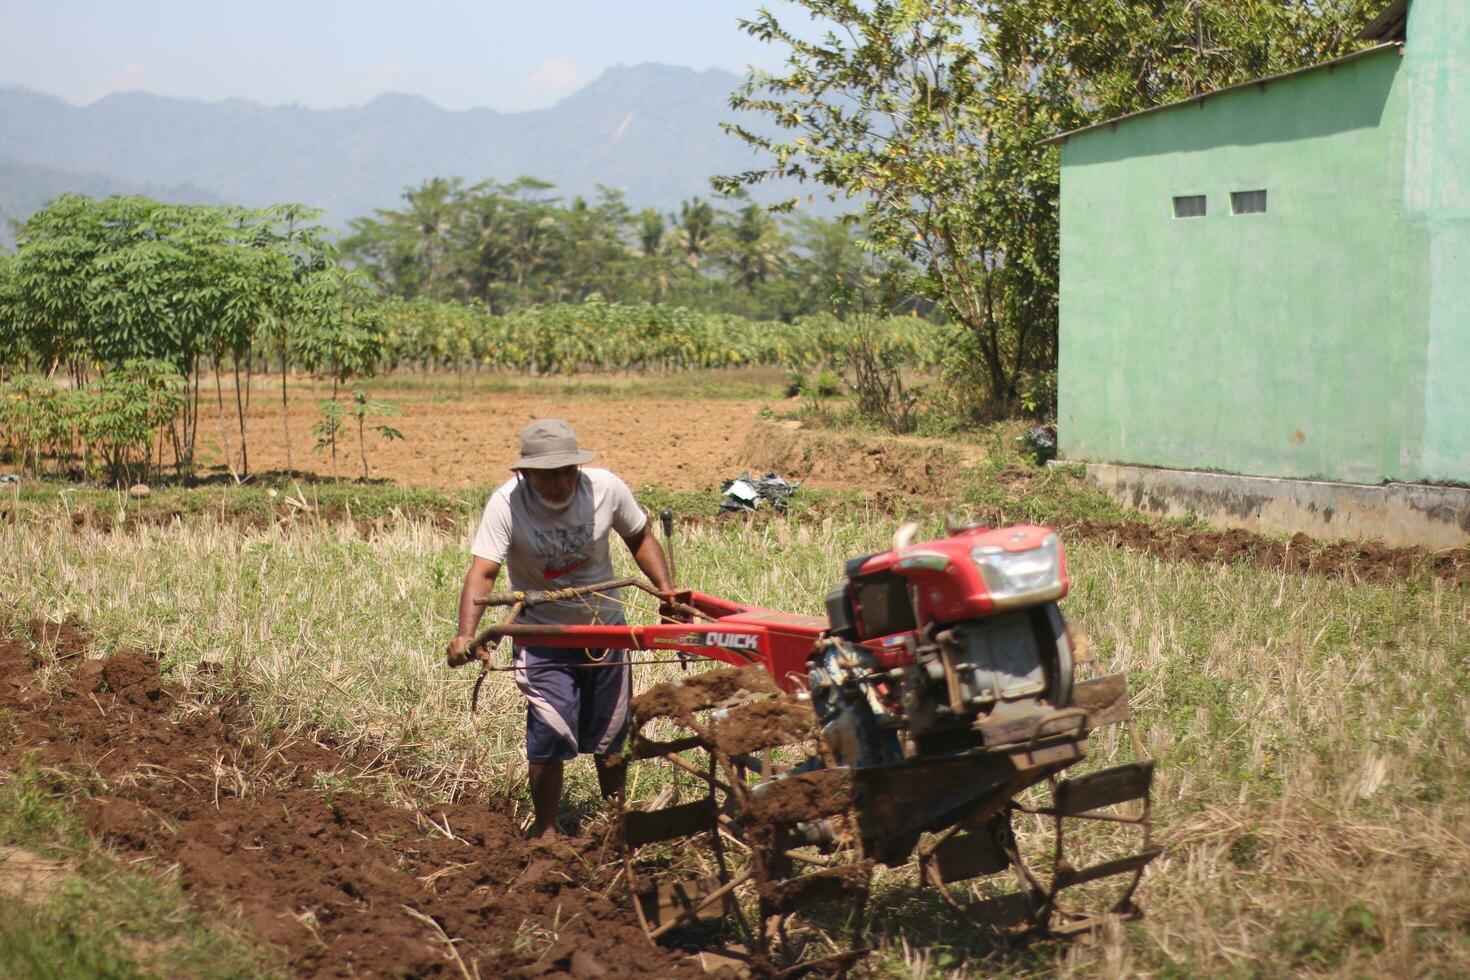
(1314, 754)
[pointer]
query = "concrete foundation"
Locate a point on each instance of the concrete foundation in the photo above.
(1398, 514)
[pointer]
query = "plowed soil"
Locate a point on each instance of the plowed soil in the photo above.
(338, 883)
(1367, 561)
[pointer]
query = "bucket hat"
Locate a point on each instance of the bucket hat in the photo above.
(547, 444)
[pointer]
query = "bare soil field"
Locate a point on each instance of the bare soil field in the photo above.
(337, 883)
(453, 444)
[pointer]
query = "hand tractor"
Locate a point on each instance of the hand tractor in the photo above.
(927, 717)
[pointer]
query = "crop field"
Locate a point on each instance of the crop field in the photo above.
(236, 742)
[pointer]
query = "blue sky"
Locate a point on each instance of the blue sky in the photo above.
(504, 54)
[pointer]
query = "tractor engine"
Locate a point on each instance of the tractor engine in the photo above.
(944, 646)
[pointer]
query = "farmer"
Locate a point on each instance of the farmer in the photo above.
(549, 524)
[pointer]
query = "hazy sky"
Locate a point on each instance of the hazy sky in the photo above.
(504, 54)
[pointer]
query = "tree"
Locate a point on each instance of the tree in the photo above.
(97, 284)
(410, 248)
(307, 252)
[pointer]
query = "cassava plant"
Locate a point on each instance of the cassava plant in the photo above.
(328, 430)
(33, 421)
(364, 408)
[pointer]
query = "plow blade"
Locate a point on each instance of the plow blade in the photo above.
(1107, 787)
(685, 820)
(1012, 910)
(683, 901)
(963, 856)
(917, 795)
(1105, 699)
(1096, 703)
(819, 887)
(1067, 877)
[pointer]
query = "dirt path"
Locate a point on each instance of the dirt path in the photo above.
(340, 883)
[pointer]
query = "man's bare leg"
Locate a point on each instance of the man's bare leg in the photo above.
(545, 779)
(612, 779)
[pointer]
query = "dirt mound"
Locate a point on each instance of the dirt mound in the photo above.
(911, 466)
(340, 883)
(1367, 561)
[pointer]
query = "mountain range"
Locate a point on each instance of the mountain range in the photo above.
(649, 130)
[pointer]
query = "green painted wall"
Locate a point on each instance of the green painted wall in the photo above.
(1437, 193)
(1293, 343)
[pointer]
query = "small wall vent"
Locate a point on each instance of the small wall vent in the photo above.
(1191, 206)
(1248, 202)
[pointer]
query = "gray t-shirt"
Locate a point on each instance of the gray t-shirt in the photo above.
(546, 549)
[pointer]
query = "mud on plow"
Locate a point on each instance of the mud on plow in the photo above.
(934, 718)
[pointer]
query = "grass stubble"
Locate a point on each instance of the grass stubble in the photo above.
(1313, 784)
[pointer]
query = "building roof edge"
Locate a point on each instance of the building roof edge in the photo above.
(1061, 138)
(1391, 25)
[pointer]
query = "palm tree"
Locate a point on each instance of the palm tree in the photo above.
(693, 230)
(427, 222)
(752, 245)
(650, 232)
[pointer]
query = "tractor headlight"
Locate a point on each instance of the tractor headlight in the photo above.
(1016, 578)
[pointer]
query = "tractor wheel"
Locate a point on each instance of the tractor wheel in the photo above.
(744, 844)
(1075, 849)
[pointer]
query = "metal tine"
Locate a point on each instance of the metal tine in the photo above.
(642, 747)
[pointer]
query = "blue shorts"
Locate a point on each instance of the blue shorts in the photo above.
(571, 707)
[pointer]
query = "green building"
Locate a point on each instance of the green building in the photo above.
(1274, 279)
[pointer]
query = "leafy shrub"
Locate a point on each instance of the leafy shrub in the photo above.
(877, 360)
(330, 428)
(822, 384)
(33, 421)
(112, 421)
(129, 407)
(364, 408)
(1039, 394)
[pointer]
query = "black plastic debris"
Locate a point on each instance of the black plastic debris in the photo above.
(747, 493)
(1043, 441)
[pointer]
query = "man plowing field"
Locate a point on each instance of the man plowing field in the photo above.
(550, 526)
(926, 719)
